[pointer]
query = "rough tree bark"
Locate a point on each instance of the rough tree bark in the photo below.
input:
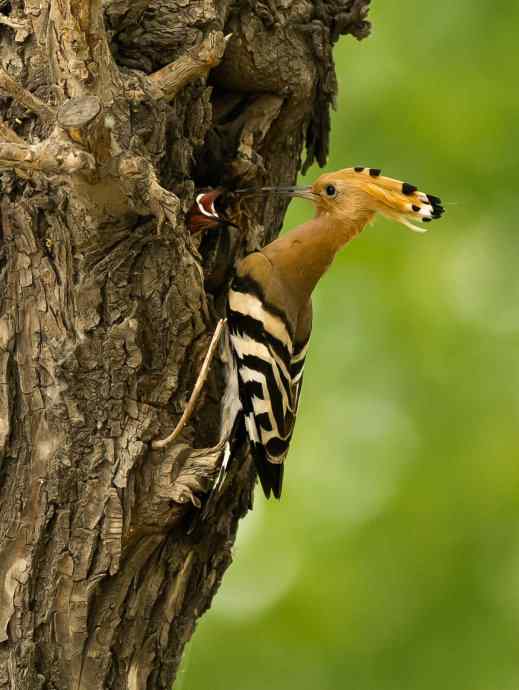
(111, 115)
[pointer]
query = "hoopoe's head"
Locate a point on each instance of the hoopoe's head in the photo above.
(354, 195)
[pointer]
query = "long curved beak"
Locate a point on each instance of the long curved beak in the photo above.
(285, 190)
(301, 192)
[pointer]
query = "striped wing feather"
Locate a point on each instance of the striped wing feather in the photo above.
(270, 377)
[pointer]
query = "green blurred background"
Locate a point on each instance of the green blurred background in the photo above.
(392, 562)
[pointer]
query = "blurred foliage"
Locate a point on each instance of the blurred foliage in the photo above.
(392, 562)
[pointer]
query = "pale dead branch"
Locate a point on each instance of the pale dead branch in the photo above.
(169, 80)
(11, 88)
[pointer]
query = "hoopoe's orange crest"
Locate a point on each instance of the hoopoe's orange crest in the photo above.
(345, 192)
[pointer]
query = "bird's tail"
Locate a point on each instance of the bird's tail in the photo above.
(400, 201)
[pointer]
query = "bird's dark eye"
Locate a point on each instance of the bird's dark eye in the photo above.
(330, 190)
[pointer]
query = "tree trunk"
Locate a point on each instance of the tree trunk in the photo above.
(112, 115)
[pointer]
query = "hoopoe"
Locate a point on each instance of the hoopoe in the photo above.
(269, 308)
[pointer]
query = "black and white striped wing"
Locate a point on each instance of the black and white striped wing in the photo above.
(269, 376)
(297, 365)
